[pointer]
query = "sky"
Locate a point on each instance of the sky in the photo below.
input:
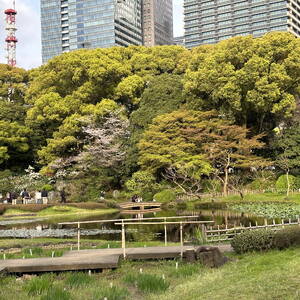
(29, 30)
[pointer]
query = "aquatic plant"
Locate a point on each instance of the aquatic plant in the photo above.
(269, 210)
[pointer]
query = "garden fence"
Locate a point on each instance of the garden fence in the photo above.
(217, 234)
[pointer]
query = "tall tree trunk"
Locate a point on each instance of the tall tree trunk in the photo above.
(288, 183)
(226, 171)
(225, 185)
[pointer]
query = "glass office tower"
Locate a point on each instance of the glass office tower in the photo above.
(210, 21)
(158, 22)
(73, 24)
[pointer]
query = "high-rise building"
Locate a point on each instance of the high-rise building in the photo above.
(179, 41)
(73, 24)
(210, 21)
(157, 22)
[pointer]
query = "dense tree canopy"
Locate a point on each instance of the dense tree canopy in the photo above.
(14, 136)
(158, 114)
(252, 80)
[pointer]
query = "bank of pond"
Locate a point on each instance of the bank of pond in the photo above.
(41, 221)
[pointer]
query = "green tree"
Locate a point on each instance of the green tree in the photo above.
(253, 81)
(185, 145)
(287, 151)
(166, 149)
(14, 135)
(140, 182)
(162, 95)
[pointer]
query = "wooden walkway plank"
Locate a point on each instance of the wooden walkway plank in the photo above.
(93, 259)
(139, 253)
(60, 264)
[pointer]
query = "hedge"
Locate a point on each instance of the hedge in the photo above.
(265, 239)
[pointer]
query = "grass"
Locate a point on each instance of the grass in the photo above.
(270, 275)
(111, 293)
(57, 211)
(56, 293)
(147, 283)
(75, 280)
(38, 285)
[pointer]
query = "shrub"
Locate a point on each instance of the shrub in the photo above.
(78, 279)
(165, 196)
(181, 206)
(111, 203)
(287, 237)
(281, 183)
(212, 186)
(38, 285)
(147, 196)
(56, 293)
(253, 240)
(47, 187)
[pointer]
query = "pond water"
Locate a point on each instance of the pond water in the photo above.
(43, 227)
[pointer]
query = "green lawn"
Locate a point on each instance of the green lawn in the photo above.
(271, 275)
(58, 211)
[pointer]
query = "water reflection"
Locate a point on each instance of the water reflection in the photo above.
(27, 228)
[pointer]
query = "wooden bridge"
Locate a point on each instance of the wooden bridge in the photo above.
(140, 205)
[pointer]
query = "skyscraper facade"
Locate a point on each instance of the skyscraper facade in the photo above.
(73, 24)
(210, 21)
(157, 22)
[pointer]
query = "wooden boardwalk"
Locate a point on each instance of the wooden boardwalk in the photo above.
(96, 259)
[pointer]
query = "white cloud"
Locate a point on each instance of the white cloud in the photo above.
(28, 34)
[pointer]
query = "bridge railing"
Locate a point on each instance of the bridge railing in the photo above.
(165, 223)
(135, 222)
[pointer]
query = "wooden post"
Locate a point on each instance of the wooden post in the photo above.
(166, 237)
(203, 229)
(78, 236)
(181, 239)
(123, 239)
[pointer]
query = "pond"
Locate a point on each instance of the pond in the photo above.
(44, 227)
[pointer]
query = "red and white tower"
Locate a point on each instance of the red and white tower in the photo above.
(11, 40)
